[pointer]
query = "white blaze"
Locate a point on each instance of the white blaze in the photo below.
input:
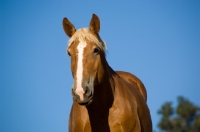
(79, 72)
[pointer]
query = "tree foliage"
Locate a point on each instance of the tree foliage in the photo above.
(184, 118)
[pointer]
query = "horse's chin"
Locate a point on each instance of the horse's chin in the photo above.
(85, 103)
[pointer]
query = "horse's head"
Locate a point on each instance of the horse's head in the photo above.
(86, 50)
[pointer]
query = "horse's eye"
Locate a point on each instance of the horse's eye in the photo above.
(68, 53)
(96, 51)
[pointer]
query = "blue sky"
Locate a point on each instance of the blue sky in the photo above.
(158, 41)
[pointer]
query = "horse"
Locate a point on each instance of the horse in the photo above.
(104, 100)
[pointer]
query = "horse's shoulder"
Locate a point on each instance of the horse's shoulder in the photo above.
(132, 103)
(135, 81)
(125, 107)
(126, 92)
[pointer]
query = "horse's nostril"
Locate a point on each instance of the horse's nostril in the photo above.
(86, 90)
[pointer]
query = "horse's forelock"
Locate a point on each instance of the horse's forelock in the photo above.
(84, 34)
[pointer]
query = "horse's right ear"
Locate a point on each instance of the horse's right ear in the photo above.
(68, 27)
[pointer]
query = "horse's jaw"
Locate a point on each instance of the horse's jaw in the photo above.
(85, 103)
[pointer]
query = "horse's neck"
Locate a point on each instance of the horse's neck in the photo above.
(109, 76)
(98, 110)
(103, 93)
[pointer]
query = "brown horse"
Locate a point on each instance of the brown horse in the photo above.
(103, 100)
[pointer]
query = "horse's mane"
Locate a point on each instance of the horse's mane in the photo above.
(84, 34)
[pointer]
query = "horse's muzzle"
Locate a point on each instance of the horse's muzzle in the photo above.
(86, 98)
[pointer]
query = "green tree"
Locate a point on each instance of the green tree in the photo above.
(166, 111)
(184, 118)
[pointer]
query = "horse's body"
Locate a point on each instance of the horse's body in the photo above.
(104, 100)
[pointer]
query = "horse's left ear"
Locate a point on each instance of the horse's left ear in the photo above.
(95, 24)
